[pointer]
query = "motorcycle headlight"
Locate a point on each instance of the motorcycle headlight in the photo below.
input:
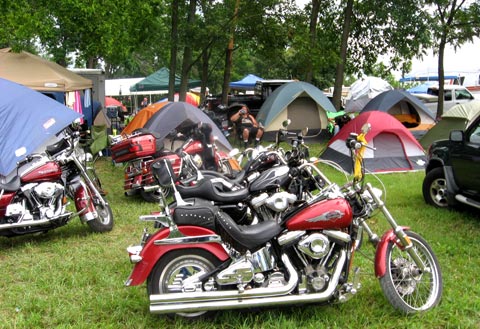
(86, 157)
(368, 197)
(197, 160)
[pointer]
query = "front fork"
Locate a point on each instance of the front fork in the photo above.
(84, 192)
(396, 235)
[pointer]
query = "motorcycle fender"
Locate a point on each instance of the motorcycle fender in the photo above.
(381, 252)
(152, 253)
(84, 204)
(5, 201)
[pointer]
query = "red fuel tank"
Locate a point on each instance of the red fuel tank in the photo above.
(194, 147)
(47, 172)
(326, 214)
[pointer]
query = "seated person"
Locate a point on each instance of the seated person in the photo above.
(247, 125)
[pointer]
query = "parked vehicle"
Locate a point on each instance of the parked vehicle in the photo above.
(200, 260)
(143, 148)
(262, 89)
(218, 116)
(452, 95)
(34, 197)
(452, 175)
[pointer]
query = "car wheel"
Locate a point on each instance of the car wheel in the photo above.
(435, 188)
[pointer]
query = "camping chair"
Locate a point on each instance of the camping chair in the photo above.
(96, 141)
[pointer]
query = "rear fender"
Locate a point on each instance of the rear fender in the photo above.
(152, 253)
(381, 253)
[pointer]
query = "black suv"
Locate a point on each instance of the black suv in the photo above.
(453, 169)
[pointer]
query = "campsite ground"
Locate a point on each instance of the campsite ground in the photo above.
(72, 278)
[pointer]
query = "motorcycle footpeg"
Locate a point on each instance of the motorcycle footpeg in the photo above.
(350, 289)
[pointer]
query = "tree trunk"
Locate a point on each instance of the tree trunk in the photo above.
(441, 79)
(173, 51)
(337, 91)
(187, 53)
(313, 37)
(203, 88)
(228, 57)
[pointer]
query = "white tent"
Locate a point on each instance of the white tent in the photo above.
(363, 90)
(120, 87)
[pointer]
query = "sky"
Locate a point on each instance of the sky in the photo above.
(463, 61)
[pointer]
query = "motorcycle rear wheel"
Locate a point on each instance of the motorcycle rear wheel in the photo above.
(404, 285)
(104, 221)
(177, 266)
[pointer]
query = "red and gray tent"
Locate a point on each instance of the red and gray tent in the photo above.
(395, 147)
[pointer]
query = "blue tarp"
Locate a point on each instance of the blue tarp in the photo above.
(427, 78)
(248, 82)
(28, 119)
(421, 89)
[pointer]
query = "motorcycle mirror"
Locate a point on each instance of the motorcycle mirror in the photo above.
(366, 128)
(255, 153)
(286, 123)
(305, 131)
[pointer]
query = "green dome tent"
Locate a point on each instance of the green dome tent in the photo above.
(457, 118)
(304, 104)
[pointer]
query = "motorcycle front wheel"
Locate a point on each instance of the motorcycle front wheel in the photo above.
(405, 286)
(104, 221)
(170, 272)
(226, 168)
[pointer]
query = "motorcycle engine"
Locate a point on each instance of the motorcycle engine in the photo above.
(270, 206)
(47, 190)
(45, 199)
(316, 246)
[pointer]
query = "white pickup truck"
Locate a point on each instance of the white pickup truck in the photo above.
(452, 95)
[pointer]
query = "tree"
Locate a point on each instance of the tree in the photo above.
(390, 28)
(338, 87)
(453, 22)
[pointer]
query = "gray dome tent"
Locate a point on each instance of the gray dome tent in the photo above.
(406, 108)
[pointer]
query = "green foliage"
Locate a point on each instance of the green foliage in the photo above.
(272, 38)
(73, 278)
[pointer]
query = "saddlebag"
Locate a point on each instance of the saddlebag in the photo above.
(137, 146)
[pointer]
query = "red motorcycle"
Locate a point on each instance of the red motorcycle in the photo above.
(201, 260)
(143, 148)
(34, 197)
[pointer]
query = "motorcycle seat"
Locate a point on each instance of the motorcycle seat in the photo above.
(237, 179)
(214, 190)
(247, 236)
(11, 185)
(198, 212)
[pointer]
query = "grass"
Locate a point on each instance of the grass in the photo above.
(73, 278)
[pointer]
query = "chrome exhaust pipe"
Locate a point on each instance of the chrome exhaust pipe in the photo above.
(215, 295)
(221, 300)
(39, 222)
(151, 188)
(130, 192)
